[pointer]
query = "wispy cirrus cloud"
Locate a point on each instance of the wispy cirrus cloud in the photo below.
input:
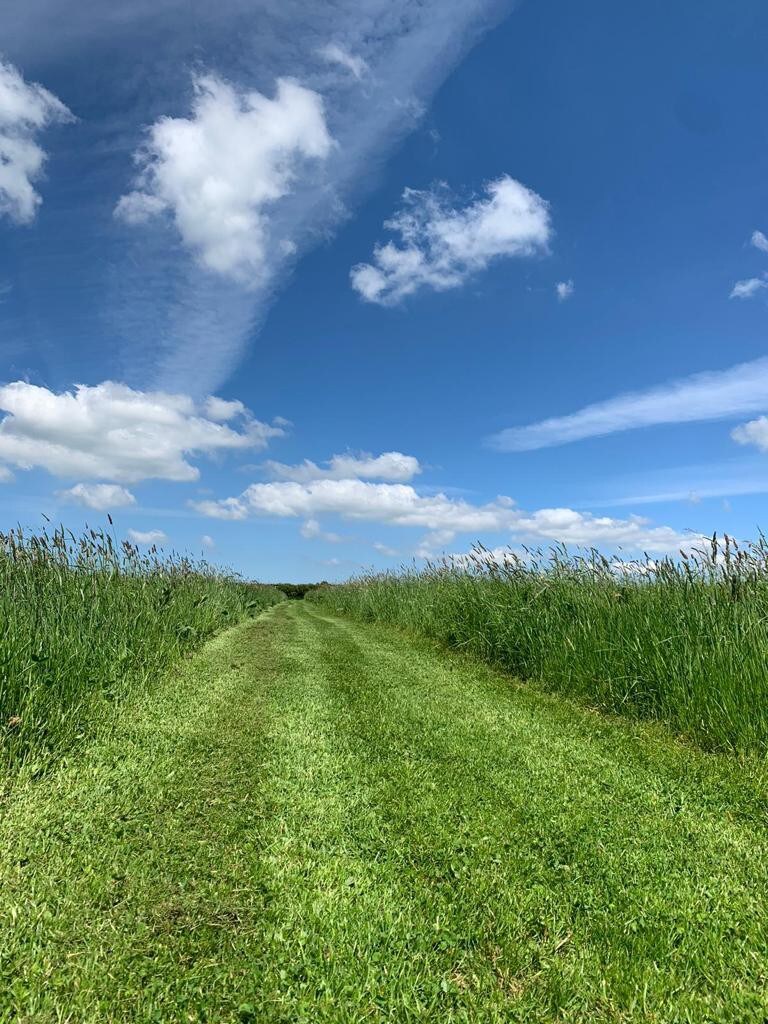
(336, 54)
(443, 244)
(374, 63)
(747, 288)
(26, 109)
(714, 395)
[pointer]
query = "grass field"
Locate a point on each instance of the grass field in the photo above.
(83, 620)
(215, 813)
(684, 641)
(315, 821)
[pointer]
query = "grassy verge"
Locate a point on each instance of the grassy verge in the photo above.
(683, 641)
(313, 822)
(83, 622)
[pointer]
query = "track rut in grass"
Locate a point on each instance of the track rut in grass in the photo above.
(319, 821)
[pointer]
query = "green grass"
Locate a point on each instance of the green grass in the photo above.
(315, 821)
(84, 622)
(682, 641)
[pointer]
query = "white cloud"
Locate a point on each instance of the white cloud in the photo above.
(146, 537)
(385, 549)
(400, 505)
(434, 543)
(704, 396)
(98, 496)
(755, 433)
(746, 289)
(336, 54)
(442, 246)
(109, 431)
(219, 171)
(25, 110)
(207, 541)
(759, 241)
(188, 327)
(312, 530)
(392, 466)
(221, 410)
(564, 289)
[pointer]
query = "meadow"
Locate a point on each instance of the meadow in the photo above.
(683, 640)
(307, 818)
(86, 619)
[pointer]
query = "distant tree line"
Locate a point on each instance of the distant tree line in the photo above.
(297, 591)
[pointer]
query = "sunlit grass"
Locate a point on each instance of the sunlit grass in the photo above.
(82, 619)
(684, 640)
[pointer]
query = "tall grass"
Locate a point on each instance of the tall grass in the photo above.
(83, 619)
(682, 640)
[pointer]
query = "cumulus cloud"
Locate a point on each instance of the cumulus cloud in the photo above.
(25, 110)
(110, 431)
(98, 496)
(703, 396)
(146, 537)
(759, 241)
(335, 54)
(443, 517)
(564, 290)
(207, 541)
(189, 326)
(222, 410)
(755, 433)
(441, 246)
(218, 171)
(391, 466)
(746, 289)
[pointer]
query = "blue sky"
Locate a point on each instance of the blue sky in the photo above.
(451, 271)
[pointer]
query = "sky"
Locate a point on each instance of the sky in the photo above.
(309, 289)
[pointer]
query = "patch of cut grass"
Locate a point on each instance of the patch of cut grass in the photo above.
(681, 640)
(315, 821)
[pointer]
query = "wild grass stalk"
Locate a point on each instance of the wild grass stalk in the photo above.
(684, 639)
(83, 619)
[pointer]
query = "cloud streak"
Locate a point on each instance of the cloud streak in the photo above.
(748, 288)
(186, 325)
(714, 395)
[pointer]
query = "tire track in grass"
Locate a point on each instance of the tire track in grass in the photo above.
(131, 879)
(344, 926)
(317, 822)
(583, 868)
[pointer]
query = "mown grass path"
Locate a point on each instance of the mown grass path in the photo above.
(321, 822)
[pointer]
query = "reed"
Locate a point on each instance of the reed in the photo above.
(683, 640)
(83, 619)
